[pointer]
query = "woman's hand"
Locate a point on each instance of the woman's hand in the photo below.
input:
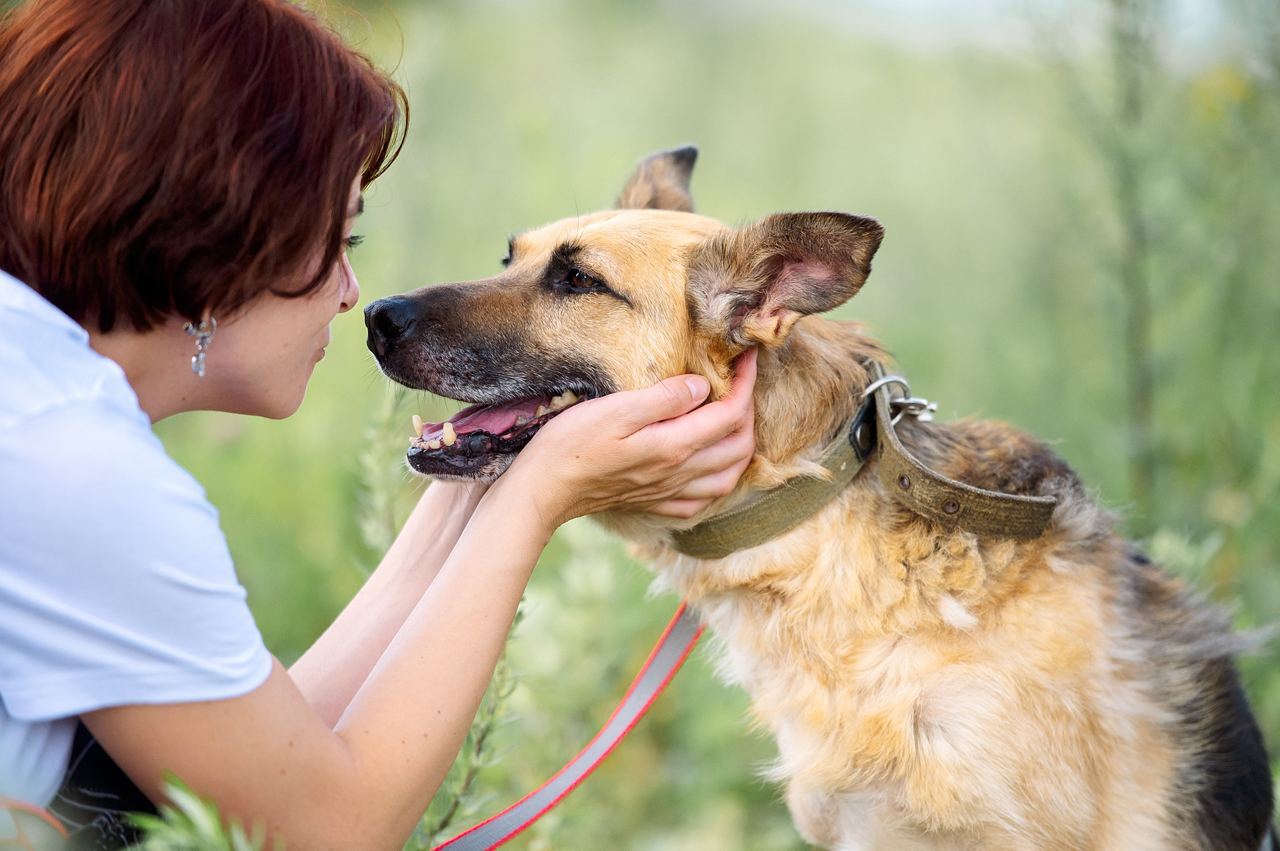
(641, 450)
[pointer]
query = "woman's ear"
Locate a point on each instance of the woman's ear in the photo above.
(661, 182)
(750, 286)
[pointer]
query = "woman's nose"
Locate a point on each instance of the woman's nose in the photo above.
(350, 287)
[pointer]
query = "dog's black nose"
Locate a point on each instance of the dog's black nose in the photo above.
(388, 319)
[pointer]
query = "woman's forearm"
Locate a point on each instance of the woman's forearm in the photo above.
(333, 668)
(408, 719)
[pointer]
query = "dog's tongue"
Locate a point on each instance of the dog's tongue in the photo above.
(494, 419)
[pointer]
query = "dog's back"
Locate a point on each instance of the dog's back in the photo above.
(1224, 777)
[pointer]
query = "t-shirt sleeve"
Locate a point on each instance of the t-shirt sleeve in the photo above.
(116, 584)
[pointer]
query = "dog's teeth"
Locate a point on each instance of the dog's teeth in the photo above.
(450, 436)
(564, 400)
(433, 444)
(542, 409)
(418, 425)
(521, 420)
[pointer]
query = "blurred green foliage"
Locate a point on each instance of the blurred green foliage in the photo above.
(191, 823)
(996, 288)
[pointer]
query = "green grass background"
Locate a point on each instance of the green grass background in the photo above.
(996, 288)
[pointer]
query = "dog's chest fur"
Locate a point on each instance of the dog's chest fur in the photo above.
(926, 690)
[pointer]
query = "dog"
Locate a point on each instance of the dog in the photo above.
(928, 687)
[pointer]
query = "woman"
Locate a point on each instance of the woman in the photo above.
(178, 185)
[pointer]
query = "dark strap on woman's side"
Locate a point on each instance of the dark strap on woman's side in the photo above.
(96, 797)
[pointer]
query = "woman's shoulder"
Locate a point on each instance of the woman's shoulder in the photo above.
(47, 366)
(75, 445)
(87, 465)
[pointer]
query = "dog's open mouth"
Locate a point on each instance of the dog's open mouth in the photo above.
(466, 444)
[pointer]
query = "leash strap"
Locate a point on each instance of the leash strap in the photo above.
(675, 645)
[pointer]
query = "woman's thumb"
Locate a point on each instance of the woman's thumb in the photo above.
(663, 401)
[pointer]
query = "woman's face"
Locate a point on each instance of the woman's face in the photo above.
(260, 359)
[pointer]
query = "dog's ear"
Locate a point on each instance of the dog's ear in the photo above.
(749, 286)
(661, 182)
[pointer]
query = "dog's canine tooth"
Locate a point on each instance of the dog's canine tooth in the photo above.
(542, 409)
(418, 425)
(564, 400)
(450, 436)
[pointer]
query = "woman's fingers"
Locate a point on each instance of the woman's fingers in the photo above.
(709, 473)
(715, 420)
(713, 471)
(713, 485)
(632, 410)
(725, 453)
(680, 509)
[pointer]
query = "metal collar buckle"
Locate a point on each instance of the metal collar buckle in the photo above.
(905, 405)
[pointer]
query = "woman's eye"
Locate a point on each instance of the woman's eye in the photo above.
(579, 279)
(352, 241)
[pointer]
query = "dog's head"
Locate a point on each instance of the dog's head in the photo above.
(610, 301)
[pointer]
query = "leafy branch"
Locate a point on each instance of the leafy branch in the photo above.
(191, 823)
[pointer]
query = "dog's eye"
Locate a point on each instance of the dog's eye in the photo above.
(580, 280)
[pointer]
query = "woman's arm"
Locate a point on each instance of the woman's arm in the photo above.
(270, 757)
(333, 668)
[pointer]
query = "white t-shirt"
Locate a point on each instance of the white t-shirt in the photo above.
(116, 585)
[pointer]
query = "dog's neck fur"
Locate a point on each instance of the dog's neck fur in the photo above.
(807, 390)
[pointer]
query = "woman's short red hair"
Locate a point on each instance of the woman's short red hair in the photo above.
(164, 158)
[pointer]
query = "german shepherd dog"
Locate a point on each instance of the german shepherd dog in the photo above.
(927, 687)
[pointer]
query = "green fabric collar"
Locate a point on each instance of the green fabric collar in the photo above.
(869, 436)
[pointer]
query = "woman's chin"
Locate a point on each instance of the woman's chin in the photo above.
(286, 407)
(272, 405)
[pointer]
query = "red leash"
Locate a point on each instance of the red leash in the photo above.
(668, 655)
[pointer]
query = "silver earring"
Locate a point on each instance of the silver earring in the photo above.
(204, 335)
